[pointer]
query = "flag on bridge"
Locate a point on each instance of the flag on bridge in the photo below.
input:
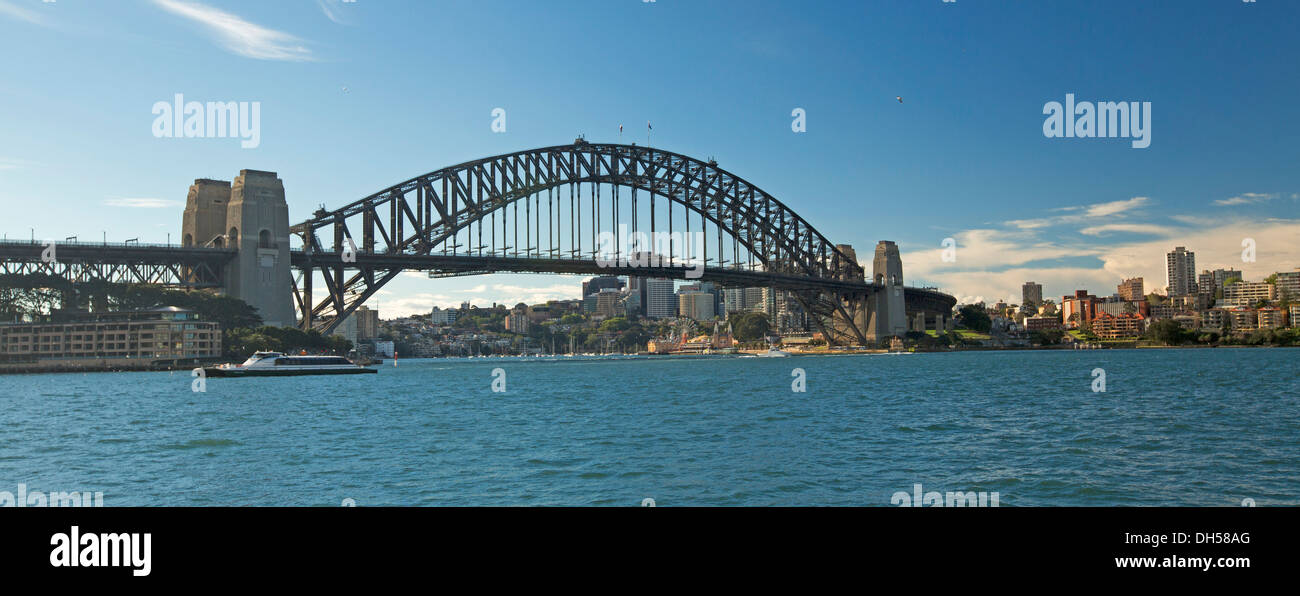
(647, 125)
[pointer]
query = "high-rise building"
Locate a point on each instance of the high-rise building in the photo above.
(660, 302)
(607, 303)
(636, 296)
(367, 322)
(1180, 271)
(1132, 290)
(695, 305)
(517, 320)
(1211, 283)
(601, 282)
(1031, 293)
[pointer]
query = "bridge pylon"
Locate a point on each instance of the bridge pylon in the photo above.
(251, 216)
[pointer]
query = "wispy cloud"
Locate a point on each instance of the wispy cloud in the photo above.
(333, 10)
(1133, 228)
(1082, 213)
(238, 35)
(141, 203)
(1246, 198)
(14, 11)
(1115, 207)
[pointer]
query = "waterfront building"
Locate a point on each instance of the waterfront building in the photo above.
(1243, 319)
(1108, 326)
(1180, 271)
(1214, 318)
(159, 334)
(1031, 293)
(1293, 315)
(1132, 290)
(1248, 293)
(1190, 322)
(1270, 317)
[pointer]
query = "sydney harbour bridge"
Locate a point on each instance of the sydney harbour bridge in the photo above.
(546, 210)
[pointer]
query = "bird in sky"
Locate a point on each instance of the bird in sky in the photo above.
(900, 99)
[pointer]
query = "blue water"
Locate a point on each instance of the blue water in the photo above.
(1174, 427)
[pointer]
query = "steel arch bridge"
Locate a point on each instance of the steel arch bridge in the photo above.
(486, 216)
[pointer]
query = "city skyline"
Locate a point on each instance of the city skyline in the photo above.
(890, 151)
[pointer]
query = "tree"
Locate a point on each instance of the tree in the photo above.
(1047, 337)
(1168, 332)
(749, 326)
(975, 319)
(614, 325)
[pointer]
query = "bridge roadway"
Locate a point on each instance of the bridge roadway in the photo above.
(81, 262)
(918, 299)
(197, 267)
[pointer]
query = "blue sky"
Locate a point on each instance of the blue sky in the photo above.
(358, 95)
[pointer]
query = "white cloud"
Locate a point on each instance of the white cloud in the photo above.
(238, 35)
(1135, 228)
(332, 10)
(1115, 207)
(1246, 198)
(23, 14)
(1082, 213)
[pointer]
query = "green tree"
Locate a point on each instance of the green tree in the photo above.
(1168, 332)
(975, 319)
(749, 326)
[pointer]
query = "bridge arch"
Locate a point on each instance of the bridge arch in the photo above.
(426, 215)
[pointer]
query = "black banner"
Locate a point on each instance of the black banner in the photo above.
(176, 545)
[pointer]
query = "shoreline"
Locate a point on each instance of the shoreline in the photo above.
(191, 364)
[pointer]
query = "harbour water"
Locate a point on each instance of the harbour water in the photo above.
(1173, 427)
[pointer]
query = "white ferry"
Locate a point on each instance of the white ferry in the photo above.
(276, 364)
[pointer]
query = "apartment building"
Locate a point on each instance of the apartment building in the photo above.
(162, 333)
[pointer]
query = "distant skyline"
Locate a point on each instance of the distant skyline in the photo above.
(924, 120)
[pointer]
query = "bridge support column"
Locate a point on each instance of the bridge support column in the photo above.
(254, 221)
